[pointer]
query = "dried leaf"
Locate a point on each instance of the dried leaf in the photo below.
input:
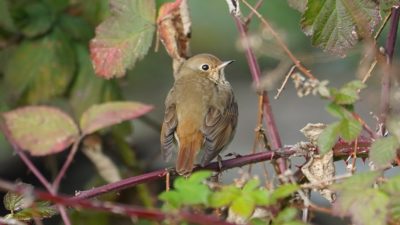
(312, 131)
(41, 130)
(336, 25)
(174, 29)
(107, 114)
(37, 210)
(321, 168)
(107, 169)
(123, 38)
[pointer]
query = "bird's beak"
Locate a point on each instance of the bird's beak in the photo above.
(224, 64)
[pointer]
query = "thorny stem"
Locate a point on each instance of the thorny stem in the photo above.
(34, 170)
(385, 83)
(281, 43)
(341, 149)
(66, 165)
(272, 130)
(120, 209)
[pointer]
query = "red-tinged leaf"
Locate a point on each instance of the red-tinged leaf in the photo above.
(174, 26)
(124, 37)
(100, 116)
(40, 130)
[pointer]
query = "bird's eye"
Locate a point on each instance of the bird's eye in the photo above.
(205, 67)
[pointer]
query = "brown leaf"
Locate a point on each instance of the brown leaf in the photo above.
(174, 28)
(107, 114)
(41, 130)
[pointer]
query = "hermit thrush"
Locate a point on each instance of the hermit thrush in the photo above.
(200, 112)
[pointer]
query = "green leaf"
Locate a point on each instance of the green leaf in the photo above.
(348, 94)
(6, 21)
(41, 130)
(124, 38)
(57, 5)
(107, 114)
(285, 216)
(357, 182)
(366, 207)
(172, 197)
(37, 210)
(37, 20)
(224, 197)
(199, 176)
(394, 209)
(328, 137)
(94, 11)
(194, 193)
(76, 27)
(392, 186)
(383, 151)
(284, 191)
(89, 89)
(261, 197)
(243, 206)
(350, 129)
(251, 185)
(40, 69)
(13, 201)
(337, 111)
(335, 25)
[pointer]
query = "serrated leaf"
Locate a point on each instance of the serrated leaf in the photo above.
(199, 176)
(13, 201)
(335, 25)
(40, 69)
(41, 130)
(392, 186)
(383, 151)
(284, 191)
(172, 197)
(224, 197)
(89, 89)
(350, 129)
(357, 182)
(366, 207)
(251, 185)
(37, 19)
(328, 137)
(261, 197)
(107, 114)
(337, 111)
(123, 38)
(243, 206)
(38, 210)
(194, 193)
(348, 94)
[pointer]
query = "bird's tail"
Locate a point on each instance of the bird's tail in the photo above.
(189, 146)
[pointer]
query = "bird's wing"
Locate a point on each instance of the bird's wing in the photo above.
(168, 127)
(219, 128)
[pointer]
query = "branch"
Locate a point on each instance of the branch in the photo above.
(272, 130)
(385, 83)
(341, 149)
(121, 209)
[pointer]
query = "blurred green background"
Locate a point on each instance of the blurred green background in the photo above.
(213, 31)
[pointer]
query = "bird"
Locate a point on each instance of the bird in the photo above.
(201, 113)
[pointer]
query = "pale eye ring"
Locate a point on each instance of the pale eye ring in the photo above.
(205, 67)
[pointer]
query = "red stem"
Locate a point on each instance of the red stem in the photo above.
(385, 83)
(121, 209)
(272, 130)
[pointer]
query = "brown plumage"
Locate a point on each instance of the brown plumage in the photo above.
(200, 112)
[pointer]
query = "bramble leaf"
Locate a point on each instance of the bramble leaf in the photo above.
(357, 182)
(383, 151)
(199, 176)
(348, 94)
(40, 69)
(224, 197)
(123, 38)
(243, 206)
(392, 186)
(350, 129)
(40, 130)
(107, 114)
(13, 201)
(336, 25)
(37, 210)
(327, 138)
(284, 191)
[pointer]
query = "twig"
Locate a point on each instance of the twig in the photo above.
(284, 82)
(282, 44)
(66, 165)
(272, 130)
(64, 214)
(251, 14)
(115, 208)
(368, 74)
(385, 83)
(378, 33)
